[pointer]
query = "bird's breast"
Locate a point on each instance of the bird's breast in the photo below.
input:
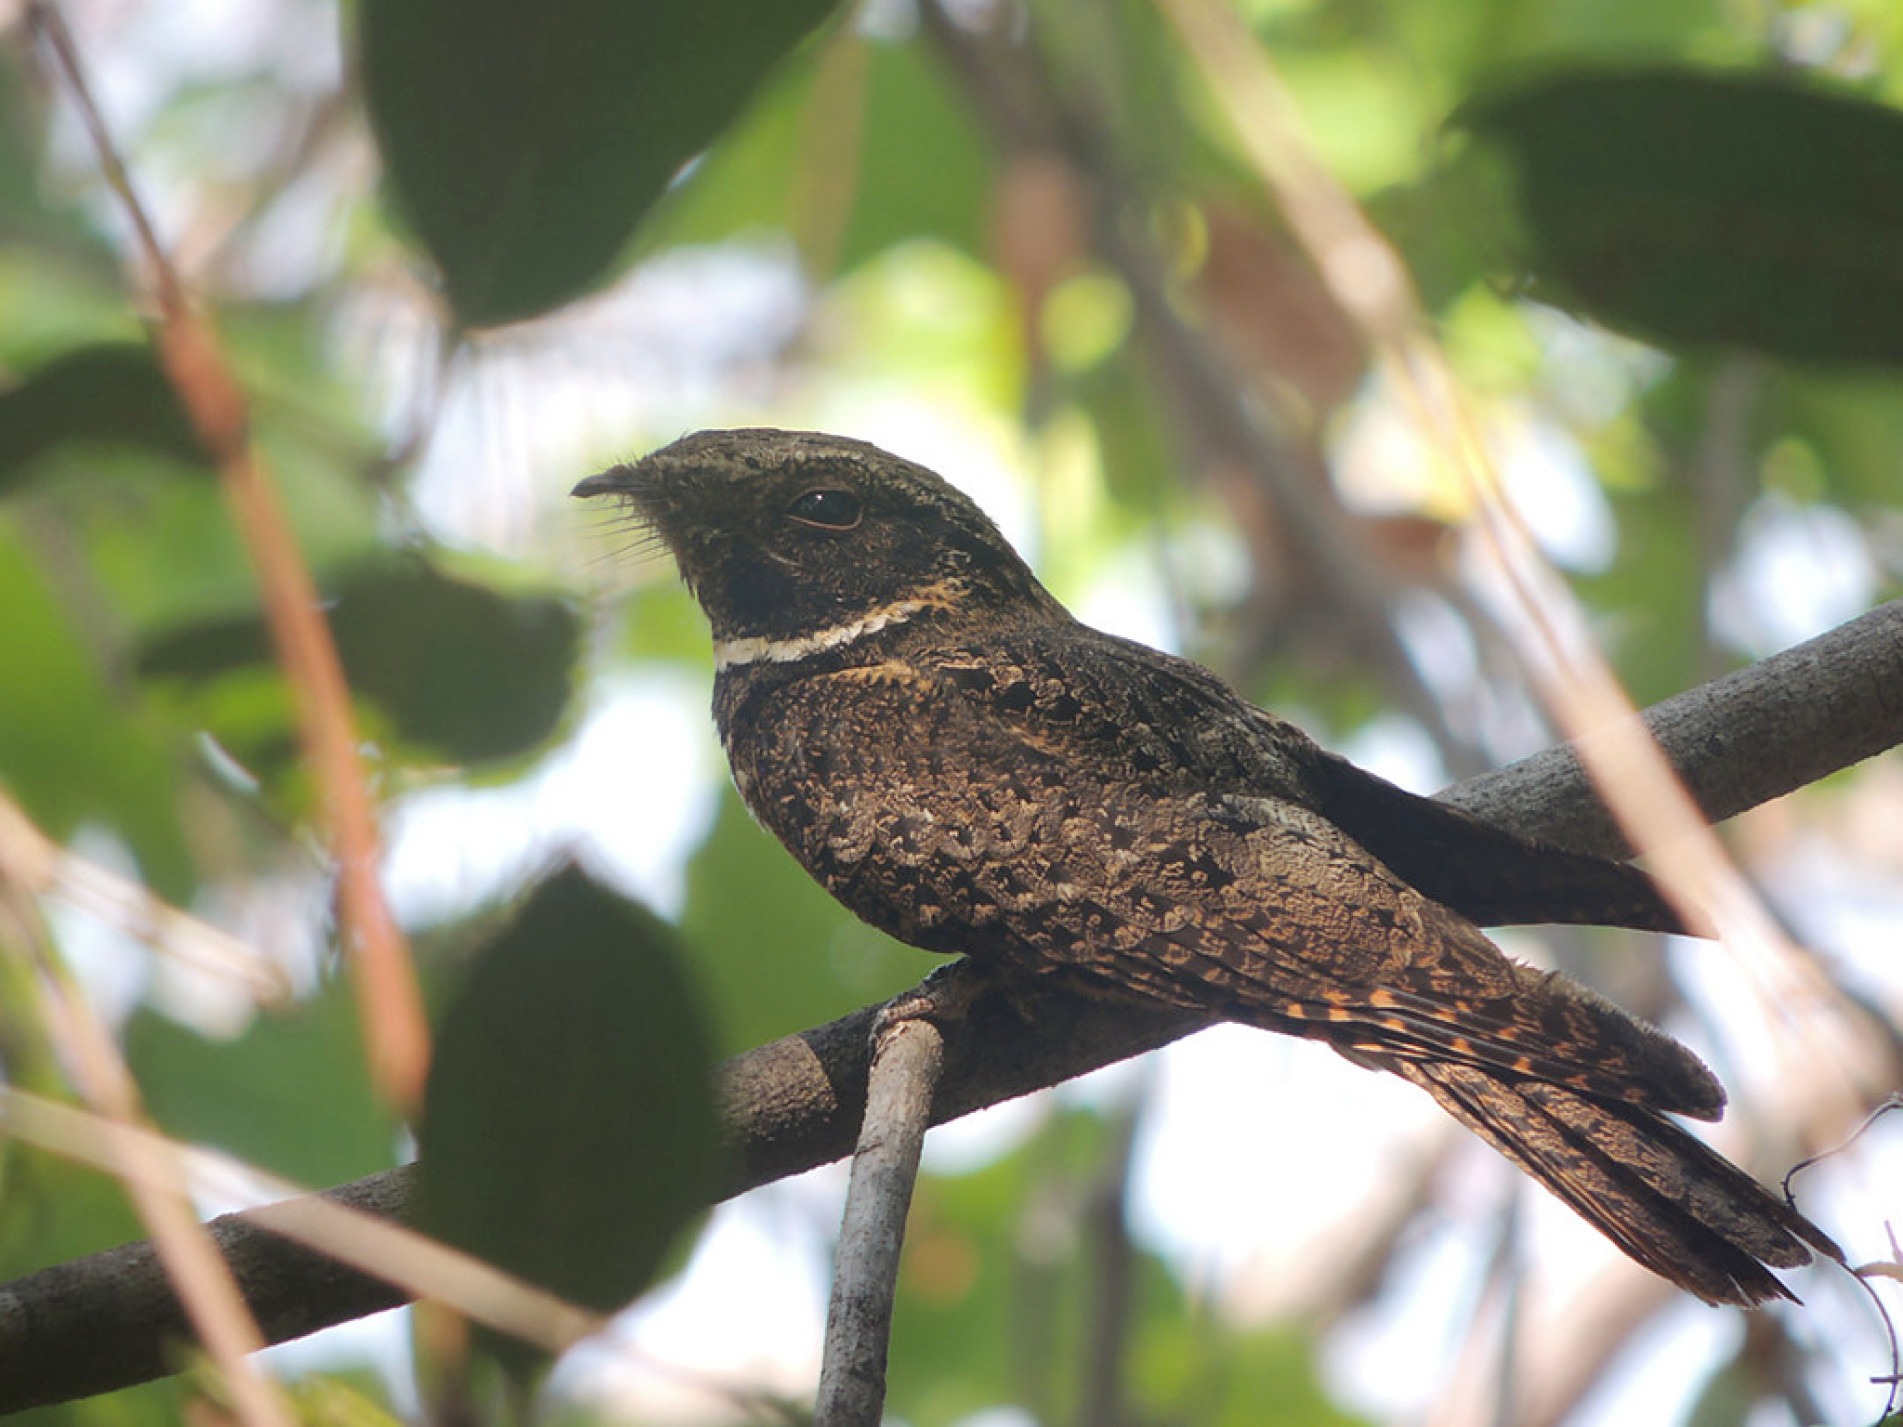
(927, 820)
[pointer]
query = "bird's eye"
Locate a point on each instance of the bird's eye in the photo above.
(826, 508)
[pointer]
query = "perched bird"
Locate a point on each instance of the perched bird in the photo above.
(970, 769)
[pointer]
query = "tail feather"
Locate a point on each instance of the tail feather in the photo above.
(1664, 1197)
(1489, 875)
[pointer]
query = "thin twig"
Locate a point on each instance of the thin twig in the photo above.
(207, 1288)
(365, 1241)
(45, 869)
(1629, 770)
(1370, 281)
(906, 1062)
(1756, 734)
(389, 1000)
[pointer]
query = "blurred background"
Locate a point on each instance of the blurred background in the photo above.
(460, 256)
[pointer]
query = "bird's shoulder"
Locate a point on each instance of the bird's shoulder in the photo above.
(1114, 704)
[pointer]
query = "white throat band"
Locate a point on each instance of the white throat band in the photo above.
(756, 649)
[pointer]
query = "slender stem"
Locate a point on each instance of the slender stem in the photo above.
(906, 1061)
(388, 997)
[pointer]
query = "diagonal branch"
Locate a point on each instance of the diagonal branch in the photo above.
(195, 362)
(105, 1321)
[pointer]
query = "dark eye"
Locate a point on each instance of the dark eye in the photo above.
(827, 508)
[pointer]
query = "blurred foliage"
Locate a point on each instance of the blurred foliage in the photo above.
(785, 959)
(1034, 236)
(567, 1132)
(456, 669)
(1626, 175)
(291, 1091)
(111, 393)
(525, 144)
(1011, 1298)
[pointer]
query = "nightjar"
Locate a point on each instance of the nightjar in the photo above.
(967, 767)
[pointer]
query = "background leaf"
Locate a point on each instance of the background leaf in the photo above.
(525, 142)
(785, 955)
(459, 668)
(110, 393)
(1703, 208)
(72, 747)
(568, 1131)
(290, 1094)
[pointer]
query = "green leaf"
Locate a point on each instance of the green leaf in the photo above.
(568, 1127)
(459, 668)
(57, 1210)
(111, 393)
(290, 1094)
(805, 159)
(785, 955)
(1703, 208)
(525, 142)
(164, 1403)
(72, 747)
(914, 112)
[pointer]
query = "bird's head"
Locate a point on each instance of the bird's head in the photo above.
(791, 536)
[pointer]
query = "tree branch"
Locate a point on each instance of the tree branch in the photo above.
(105, 1321)
(1741, 740)
(907, 1057)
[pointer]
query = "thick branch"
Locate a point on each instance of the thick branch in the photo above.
(1739, 741)
(105, 1321)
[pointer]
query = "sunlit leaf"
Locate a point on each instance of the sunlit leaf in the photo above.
(1712, 209)
(290, 1094)
(916, 112)
(74, 749)
(525, 142)
(568, 1129)
(357, 1399)
(805, 159)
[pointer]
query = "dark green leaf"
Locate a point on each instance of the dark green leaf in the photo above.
(290, 1094)
(112, 393)
(458, 667)
(525, 142)
(568, 1127)
(1703, 208)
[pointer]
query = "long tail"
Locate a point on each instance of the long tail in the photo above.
(1676, 1206)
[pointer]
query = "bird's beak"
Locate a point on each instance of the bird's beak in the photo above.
(612, 481)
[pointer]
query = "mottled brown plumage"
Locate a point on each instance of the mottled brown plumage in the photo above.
(970, 769)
